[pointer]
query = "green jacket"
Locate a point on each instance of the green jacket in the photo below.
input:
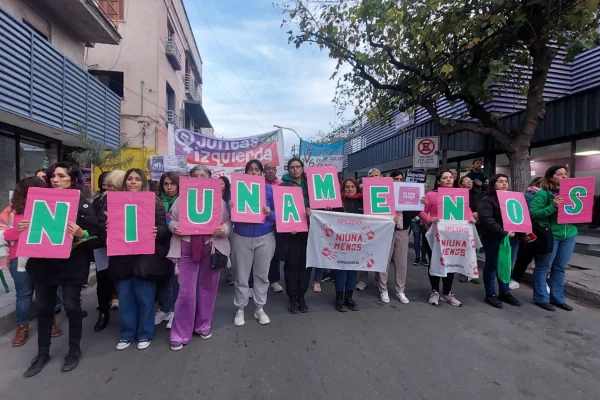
(544, 213)
(288, 181)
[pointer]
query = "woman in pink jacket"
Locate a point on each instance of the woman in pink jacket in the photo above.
(23, 282)
(429, 216)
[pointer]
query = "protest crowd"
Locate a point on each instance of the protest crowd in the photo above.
(174, 277)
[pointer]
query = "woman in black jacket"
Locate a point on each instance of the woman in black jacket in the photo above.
(492, 234)
(136, 275)
(48, 273)
(345, 281)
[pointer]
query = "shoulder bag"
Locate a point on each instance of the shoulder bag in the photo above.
(544, 242)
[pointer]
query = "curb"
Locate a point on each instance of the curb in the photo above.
(7, 322)
(572, 289)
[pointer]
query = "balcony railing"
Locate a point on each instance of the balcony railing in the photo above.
(40, 84)
(173, 54)
(191, 88)
(173, 118)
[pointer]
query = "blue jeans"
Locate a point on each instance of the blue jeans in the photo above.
(318, 275)
(167, 293)
(136, 308)
(345, 280)
(556, 263)
(24, 289)
(415, 227)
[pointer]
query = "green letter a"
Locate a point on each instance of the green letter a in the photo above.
(290, 209)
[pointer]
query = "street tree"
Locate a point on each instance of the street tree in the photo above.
(404, 55)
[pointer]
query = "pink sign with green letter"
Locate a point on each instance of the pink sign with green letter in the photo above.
(130, 223)
(201, 205)
(248, 195)
(378, 196)
(323, 187)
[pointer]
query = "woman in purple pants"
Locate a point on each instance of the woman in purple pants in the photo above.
(198, 283)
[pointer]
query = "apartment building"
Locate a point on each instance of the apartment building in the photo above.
(157, 72)
(47, 97)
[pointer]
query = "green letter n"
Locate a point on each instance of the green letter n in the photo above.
(290, 211)
(131, 230)
(248, 198)
(454, 209)
(196, 215)
(324, 187)
(378, 205)
(44, 222)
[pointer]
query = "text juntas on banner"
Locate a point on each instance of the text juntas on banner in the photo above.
(201, 206)
(454, 247)
(351, 242)
(49, 211)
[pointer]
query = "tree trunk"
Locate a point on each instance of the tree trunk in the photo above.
(520, 169)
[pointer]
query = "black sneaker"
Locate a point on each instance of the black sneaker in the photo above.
(302, 306)
(71, 360)
(425, 263)
(294, 307)
(493, 301)
(417, 261)
(37, 365)
(546, 306)
(562, 306)
(229, 280)
(509, 299)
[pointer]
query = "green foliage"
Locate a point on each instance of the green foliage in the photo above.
(93, 152)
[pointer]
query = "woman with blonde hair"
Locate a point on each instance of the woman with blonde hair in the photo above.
(104, 287)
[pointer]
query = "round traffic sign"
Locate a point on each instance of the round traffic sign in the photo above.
(426, 146)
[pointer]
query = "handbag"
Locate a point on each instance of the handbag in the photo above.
(544, 242)
(218, 260)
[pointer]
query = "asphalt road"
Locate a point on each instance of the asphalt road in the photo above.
(394, 351)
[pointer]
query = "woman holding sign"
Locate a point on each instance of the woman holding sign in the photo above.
(198, 279)
(136, 275)
(252, 248)
(72, 273)
(492, 235)
(429, 216)
(544, 211)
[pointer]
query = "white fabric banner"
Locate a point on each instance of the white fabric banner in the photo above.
(454, 247)
(352, 242)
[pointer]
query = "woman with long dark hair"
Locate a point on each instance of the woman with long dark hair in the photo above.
(22, 280)
(544, 211)
(136, 275)
(167, 191)
(252, 248)
(198, 282)
(297, 276)
(104, 286)
(429, 216)
(492, 235)
(48, 274)
(345, 281)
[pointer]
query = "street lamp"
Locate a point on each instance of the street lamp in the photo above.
(290, 129)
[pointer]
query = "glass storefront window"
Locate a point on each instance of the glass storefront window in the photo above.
(33, 157)
(541, 158)
(587, 163)
(8, 166)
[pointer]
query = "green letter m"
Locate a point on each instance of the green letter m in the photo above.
(324, 187)
(43, 221)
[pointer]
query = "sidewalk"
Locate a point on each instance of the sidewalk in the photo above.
(7, 301)
(582, 280)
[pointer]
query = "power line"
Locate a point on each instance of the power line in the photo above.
(227, 58)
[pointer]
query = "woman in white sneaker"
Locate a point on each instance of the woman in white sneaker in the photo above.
(429, 216)
(252, 249)
(198, 282)
(136, 275)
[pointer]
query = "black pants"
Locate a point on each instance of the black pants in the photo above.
(46, 300)
(104, 290)
(525, 256)
(275, 268)
(434, 281)
(297, 276)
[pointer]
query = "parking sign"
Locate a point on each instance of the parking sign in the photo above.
(425, 152)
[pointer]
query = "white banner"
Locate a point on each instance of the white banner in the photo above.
(454, 247)
(351, 242)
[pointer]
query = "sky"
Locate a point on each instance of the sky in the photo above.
(247, 49)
